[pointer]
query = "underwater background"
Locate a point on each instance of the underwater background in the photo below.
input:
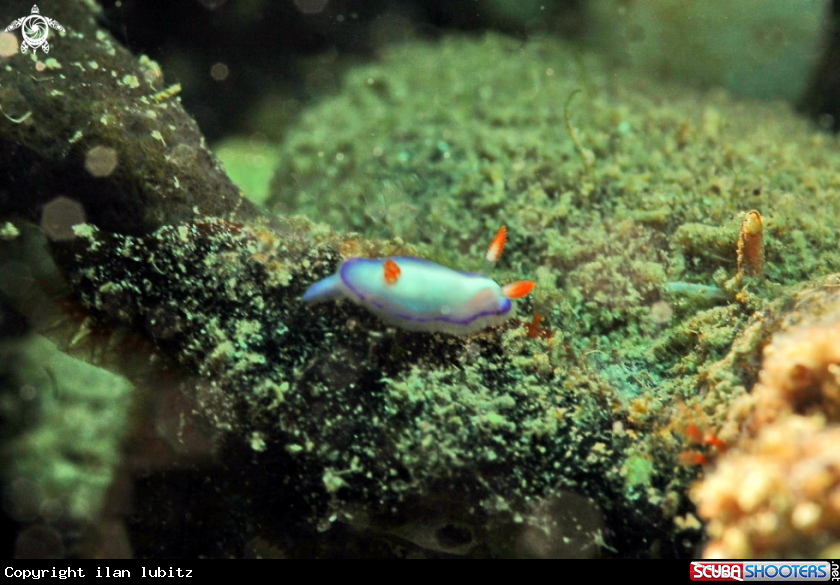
(175, 175)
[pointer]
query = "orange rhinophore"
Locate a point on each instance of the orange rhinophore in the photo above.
(518, 289)
(751, 246)
(391, 270)
(497, 246)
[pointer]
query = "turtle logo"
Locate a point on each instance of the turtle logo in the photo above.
(35, 30)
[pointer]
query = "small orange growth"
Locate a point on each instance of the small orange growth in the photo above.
(713, 441)
(534, 329)
(518, 289)
(392, 271)
(694, 433)
(692, 458)
(497, 246)
(706, 444)
(751, 245)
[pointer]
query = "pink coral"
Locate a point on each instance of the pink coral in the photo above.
(801, 374)
(777, 493)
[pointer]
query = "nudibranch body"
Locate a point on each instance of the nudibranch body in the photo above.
(420, 295)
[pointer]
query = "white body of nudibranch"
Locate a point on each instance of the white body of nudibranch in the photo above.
(421, 295)
(425, 297)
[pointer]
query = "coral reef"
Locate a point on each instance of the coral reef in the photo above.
(777, 497)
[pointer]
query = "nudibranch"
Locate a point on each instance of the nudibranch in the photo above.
(420, 295)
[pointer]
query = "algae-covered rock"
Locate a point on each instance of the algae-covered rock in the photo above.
(441, 155)
(756, 48)
(371, 428)
(131, 159)
(625, 204)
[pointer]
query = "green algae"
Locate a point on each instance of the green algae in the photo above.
(638, 470)
(441, 155)
(250, 165)
(76, 417)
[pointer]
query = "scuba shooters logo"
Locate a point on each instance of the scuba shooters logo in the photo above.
(764, 571)
(717, 571)
(35, 29)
